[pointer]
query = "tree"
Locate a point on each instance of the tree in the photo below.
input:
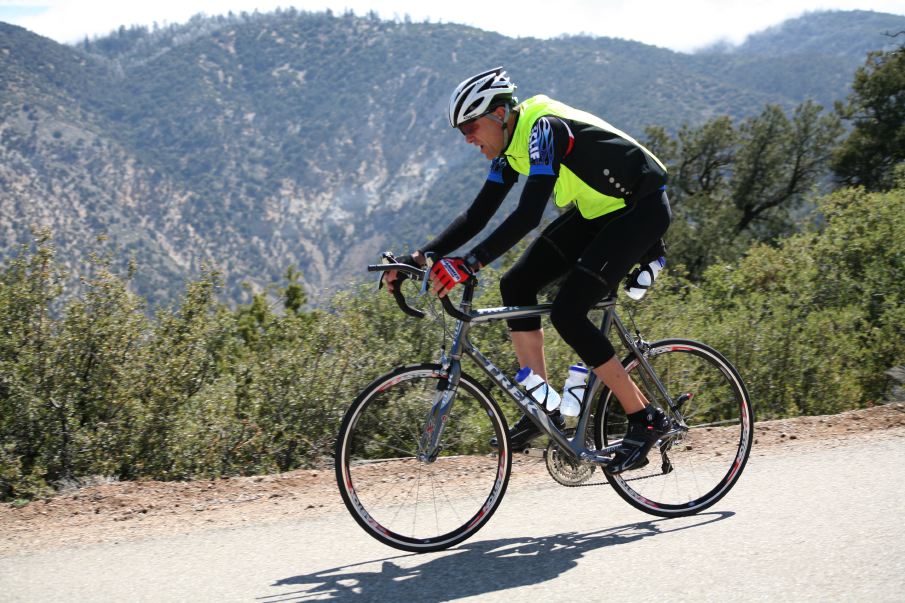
(778, 164)
(29, 287)
(876, 108)
(733, 186)
(294, 296)
(815, 321)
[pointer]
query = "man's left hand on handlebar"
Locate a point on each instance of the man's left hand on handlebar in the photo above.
(391, 277)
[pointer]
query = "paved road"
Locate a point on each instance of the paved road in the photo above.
(817, 524)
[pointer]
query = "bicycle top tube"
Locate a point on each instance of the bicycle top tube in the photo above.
(509, 312)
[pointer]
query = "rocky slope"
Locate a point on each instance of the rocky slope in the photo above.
(250, 143)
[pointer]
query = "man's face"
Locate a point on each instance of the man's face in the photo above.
(486, 134)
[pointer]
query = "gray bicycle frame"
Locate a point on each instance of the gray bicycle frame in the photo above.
(429, 447)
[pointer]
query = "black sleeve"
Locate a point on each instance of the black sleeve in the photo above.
(549, 142)
(470, 222)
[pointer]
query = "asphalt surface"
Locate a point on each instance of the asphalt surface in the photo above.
(822, 523)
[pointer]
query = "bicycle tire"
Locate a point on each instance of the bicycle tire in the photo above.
(699, 466)
(406, 503)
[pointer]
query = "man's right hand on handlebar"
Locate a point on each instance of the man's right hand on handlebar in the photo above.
(446, 273)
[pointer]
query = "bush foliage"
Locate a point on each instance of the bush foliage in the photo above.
(92, 386)
(814, 323)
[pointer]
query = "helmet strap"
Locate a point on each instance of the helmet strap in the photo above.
(504, 125)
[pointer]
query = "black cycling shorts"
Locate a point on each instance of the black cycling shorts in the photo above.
(593, 256)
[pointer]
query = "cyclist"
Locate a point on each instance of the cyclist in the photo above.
(617, 213)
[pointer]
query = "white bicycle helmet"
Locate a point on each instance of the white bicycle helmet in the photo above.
(480, 94)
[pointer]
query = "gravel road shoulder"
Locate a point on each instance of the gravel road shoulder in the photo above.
(124, 511)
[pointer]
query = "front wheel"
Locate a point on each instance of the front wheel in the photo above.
(697, 464)
(405, 500)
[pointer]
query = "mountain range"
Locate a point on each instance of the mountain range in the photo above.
(248, 143)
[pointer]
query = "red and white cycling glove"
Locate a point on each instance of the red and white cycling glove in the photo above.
(449, 272)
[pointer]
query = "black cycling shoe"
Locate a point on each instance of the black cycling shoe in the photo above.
(524, 430)
(644, 429)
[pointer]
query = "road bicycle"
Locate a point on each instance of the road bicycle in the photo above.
(413, 458)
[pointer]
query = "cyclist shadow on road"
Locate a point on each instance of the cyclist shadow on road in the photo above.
(474, 567)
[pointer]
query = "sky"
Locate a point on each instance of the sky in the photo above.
(681, 25)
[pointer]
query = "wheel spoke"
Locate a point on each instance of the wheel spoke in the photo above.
(718, 429)
(410, 504)
(405, 453)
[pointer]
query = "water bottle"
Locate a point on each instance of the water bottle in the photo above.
(573, 390)
(538, 389)
(642, 278)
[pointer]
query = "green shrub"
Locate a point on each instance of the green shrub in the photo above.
(813, 324)
(89, 385)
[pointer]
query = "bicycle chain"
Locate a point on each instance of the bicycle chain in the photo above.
(599, 483)
(634, 479)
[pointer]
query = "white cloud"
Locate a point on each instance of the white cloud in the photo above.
(678, 25)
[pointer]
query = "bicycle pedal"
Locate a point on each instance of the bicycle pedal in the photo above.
(599, 459)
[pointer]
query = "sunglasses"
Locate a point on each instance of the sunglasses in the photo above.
(469, 127)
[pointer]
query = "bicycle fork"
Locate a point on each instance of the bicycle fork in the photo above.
(429, 447)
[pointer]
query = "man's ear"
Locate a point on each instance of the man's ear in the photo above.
(500, 112)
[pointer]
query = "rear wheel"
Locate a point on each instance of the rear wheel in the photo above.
(421, 505)
(696, 464)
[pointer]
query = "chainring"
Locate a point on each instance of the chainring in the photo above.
(564, 469)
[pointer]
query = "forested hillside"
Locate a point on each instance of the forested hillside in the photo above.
(252, 143)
